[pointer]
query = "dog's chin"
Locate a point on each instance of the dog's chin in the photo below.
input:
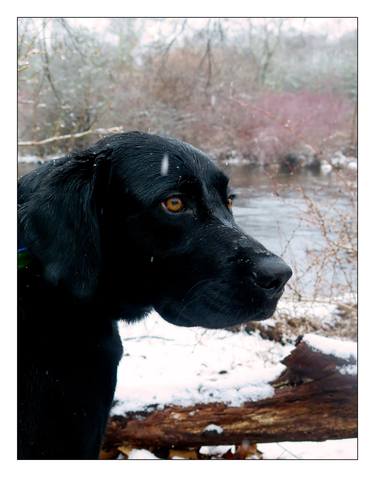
(212, 319)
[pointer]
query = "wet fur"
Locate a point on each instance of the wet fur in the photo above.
(103, 248)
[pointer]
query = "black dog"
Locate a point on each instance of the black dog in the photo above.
(133, 223)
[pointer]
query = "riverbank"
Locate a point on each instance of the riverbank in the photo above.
(168, 365)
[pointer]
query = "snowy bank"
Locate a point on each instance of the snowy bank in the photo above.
(165, 364)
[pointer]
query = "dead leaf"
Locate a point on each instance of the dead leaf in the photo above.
(108, 455)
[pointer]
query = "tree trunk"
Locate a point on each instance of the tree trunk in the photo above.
(315, 399)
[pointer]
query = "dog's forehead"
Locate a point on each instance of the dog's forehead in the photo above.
(165, 167)
(189, 162)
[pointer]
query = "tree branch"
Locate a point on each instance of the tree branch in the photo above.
(101, 131)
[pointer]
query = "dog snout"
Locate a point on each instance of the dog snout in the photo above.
(271, 273)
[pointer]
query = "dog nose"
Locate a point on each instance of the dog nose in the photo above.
(272, 273)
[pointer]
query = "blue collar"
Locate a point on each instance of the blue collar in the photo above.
(23, 257)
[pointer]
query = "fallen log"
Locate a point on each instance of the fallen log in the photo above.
(314, 399)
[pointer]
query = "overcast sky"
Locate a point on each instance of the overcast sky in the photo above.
(332, 27)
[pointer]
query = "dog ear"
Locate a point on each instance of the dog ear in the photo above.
(60, 220)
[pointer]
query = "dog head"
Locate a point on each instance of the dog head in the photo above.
(143, 221)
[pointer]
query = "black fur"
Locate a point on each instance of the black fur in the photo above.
(104, 248)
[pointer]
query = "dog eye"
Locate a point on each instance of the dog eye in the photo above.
(230, 201)
(174, 204)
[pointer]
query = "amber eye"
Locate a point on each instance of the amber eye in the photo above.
(173, 204)
(230, 202)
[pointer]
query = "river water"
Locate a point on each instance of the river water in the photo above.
(308, 219)
(276, 210)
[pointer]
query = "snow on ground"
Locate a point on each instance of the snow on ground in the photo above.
(31, 159)
(335, 317)
(216, 450)
(166, 364)
(323, 312)
(138, 454)
(334, 449)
